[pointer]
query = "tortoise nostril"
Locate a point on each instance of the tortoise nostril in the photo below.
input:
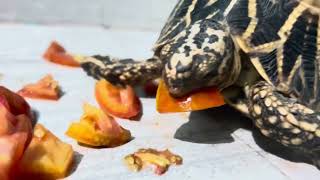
(181, 68)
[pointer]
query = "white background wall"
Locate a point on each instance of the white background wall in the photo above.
(142, 14)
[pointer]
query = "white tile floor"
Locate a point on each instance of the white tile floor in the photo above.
(146, 14)
(215, 144)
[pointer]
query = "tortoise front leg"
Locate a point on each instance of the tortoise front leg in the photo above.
(122, 72)
(284, 120)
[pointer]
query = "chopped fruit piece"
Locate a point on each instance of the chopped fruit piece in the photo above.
(98, 129)
(150, 88)
(46, 156)
(16, 104)
(120, 102)
(204, 99)
(45, 88)
(161, 160)
(57, 54)
(15, 133)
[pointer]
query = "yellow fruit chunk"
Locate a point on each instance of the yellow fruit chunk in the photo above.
(98, 129)
(46, 156)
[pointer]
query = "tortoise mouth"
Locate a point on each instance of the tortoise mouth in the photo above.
(178, 92)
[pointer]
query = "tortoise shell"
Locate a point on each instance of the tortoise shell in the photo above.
(281, 37)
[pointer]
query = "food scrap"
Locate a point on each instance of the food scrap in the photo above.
(46, 156)
(45, 88)
(204, 99)
(119, 102)
(57, 54)
(160, 160)
(15, 131)
(98, 129)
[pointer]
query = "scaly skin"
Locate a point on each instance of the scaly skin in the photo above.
(122, 72)
(285, 120)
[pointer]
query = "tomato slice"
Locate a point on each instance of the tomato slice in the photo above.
(46, 156)
(57, 54)
(98, 129)
(45, 88)
(199, 100)
(120, 102)
(15, 133)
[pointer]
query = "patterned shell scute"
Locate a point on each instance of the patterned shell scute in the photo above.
(282, 38)
(187, 12)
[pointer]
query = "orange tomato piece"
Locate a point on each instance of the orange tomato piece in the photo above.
(98, 129)
(120, 102)
(57, 54)
(45, 88)
(199, 100)
(46, 156)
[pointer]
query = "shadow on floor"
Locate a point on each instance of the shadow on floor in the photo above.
(216, 125)
(77, 158)
(35, 117)
(212, 126)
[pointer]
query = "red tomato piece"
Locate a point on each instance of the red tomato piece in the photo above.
(120, 102)
(45, 88)
(15, 135)
(14, 102)
(57, 54)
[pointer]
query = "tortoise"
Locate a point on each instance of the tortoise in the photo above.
(263, 55)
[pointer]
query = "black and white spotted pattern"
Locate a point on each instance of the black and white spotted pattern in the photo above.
(122, 72)
(201, 55)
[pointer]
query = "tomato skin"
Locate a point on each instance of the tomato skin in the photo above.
(119, 102)
(199, 100)
(15, 131)
(57, 54)
(16, 104)
(46, 88)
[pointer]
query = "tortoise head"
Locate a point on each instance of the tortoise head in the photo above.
(202, 56)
